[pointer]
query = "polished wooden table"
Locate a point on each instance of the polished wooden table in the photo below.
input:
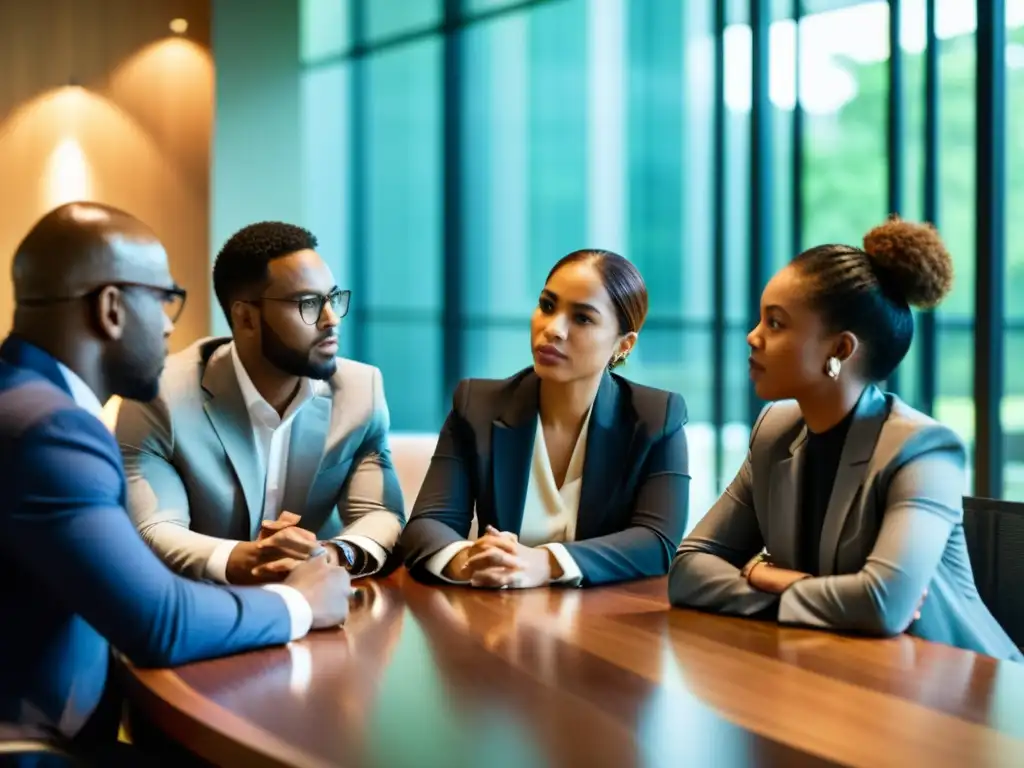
(428, 676)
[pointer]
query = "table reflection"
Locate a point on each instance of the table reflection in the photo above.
(331, 676)
(423, 676)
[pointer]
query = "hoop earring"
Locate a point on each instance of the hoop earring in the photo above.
(833, 366)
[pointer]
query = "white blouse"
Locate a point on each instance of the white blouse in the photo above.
(549, 512)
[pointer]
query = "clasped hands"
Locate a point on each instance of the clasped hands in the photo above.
(497, 560)
(280, 546)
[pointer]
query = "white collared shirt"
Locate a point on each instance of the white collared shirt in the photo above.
(549, 511)
(272, 435)
(81, 392)
(299, 611)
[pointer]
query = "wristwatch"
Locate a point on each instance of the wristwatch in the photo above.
(348, 554)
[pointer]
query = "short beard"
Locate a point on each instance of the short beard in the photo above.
(136, 364)
(292, 361)
(134, 387)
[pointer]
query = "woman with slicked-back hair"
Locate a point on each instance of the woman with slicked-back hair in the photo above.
(577, 476)
(847, 513)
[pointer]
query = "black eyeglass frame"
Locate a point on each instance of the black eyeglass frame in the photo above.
(174, 291)
(323, 299)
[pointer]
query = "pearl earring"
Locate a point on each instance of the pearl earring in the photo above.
(833, 366)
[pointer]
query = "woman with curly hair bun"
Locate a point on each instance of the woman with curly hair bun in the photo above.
(847, 512)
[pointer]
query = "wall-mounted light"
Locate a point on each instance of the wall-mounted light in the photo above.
(179, 26)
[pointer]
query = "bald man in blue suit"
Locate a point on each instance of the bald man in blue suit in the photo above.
(91, 287)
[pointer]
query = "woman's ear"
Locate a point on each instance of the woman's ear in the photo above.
(626, 343)
(847, 346)
(622, 350)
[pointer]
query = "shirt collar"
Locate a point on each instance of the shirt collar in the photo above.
(256, 405)
(82, 394)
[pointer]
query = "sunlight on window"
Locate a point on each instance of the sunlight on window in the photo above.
(832, 40)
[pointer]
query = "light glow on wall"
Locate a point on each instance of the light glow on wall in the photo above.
(67, 176)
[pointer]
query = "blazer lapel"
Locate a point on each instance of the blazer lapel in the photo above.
(869, 416)
(513, 435)
(609, 440)
(784, 502)
(226, 410)
(305, 453)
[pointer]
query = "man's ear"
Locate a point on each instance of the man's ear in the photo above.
(110, 313)
(243, 318)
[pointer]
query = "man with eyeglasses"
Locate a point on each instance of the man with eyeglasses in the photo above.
(265, 448)
(94, 304)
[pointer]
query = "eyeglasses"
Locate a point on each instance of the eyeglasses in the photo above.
(311, 307)
(173, 297)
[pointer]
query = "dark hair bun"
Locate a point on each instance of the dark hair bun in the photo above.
(911, 259)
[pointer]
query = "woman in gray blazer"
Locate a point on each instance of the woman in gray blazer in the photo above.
(847, 512)
(576, 475)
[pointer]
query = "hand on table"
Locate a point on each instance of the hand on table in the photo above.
(458, 568)
(497, 560)
(279, 547)
(327, 590)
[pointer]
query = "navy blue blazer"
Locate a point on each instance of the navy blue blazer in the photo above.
(635, 494)
(76, 576)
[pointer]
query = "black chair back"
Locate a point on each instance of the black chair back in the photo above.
(994, 531)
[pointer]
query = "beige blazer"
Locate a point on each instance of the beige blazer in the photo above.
(191, 460)
(894, 526)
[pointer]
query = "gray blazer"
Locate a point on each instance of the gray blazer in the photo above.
(893, 526)
(193, 472)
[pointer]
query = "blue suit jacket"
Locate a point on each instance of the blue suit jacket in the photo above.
(76, 577)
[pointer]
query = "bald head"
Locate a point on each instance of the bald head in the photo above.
(91, 286)
(79, 247)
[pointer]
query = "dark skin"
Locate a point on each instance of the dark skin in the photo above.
(91, 283)
(790, 348)
(66, 336)
(282, 544)
(76, 249)
(298, 274)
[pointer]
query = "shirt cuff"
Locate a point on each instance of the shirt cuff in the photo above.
(439, 561)
(376, 556)
(571, 576)
(217, 564)
(299, 610)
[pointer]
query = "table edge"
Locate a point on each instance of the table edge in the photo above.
(208, 729)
